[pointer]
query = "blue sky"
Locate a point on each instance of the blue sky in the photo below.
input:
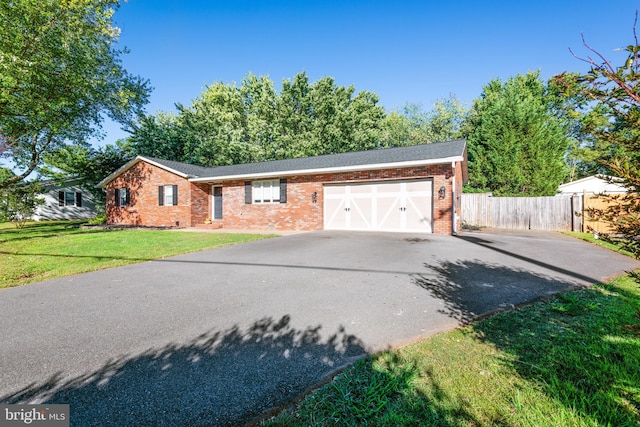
(404, 51)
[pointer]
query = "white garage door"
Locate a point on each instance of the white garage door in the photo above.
(391, 206)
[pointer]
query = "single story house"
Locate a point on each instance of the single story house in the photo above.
(595, 184)
(65, 200)
(412, 189)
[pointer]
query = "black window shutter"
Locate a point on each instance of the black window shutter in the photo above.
(79, 199)
(247, 192)
(175, 195)
(60, 198)
(283, 190)
(127, 196)
(117, 192)
(160, 195)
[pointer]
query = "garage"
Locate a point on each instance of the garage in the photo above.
(405, 189)
(402, 206)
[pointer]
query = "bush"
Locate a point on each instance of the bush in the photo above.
(99, 219)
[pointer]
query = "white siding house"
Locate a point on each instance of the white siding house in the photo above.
(66, 200)
(596, 184)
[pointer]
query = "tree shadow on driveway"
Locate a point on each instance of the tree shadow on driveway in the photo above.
(474, 288)
(218, 378)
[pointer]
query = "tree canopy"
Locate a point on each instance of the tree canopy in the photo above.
(253, 121)
(412, 125)
(608, 102)
(516, 144)
(61, 72)
(230, 124)
(18, 202)
(90, 165)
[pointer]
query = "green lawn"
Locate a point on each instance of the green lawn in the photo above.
(571, 361)
(589, 237)
(46, 250)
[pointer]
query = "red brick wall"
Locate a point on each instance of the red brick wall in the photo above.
(200, 203)
(143, 180)
(300, 213)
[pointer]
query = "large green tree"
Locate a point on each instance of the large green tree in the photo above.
(578, 114)
(613, 122)
(516, 144)
(155, 135)
(411, 124)
(229, 124)
(90, 165)
(18, 202)
(60, 73)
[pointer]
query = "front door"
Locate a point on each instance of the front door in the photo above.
(217, 202)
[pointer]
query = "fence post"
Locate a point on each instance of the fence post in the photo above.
(577, 212)
(584, 208)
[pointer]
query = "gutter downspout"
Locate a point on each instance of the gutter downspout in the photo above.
(454, 210)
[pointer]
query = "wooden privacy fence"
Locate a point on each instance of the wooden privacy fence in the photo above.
(534, 213)
(592, 201)
(524, 213)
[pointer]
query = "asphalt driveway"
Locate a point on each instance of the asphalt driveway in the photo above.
(218, 337)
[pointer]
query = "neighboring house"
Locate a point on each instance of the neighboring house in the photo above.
(414, 189)
(596, 184)
(65, 200)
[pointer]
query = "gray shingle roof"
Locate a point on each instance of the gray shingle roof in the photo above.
(192, 171)
(442, 150)
(356, 159)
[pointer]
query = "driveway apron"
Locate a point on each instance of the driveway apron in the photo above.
(220, 336)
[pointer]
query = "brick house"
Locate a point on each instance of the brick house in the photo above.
(412, 189)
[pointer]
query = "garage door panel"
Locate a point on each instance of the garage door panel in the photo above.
(419, 198)
(417, 216)
(361, 204)
(360, 214)
(388, 209)
(334, 206)
(391, 206)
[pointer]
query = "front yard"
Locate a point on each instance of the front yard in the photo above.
(573, 360)
(51, 249)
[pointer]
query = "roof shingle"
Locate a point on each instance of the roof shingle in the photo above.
(355, 159)
(442, 150)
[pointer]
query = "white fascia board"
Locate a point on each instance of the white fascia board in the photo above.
(131, 164)
(377, 166)
(161, 166)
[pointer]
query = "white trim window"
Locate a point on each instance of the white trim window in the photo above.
(267, 191)
(168, 195)
(69, 198)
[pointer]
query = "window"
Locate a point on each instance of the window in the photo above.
(122, 196)
(69, 198)
(266, 191)
(168, 195)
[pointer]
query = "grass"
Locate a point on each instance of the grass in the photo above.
(47, 250)
(573, 360)
(588, 237)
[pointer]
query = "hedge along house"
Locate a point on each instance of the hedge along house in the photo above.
(411, 189)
